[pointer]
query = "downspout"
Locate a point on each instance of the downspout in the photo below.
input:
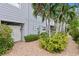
(28, 18)
(22, 37)
(0, 22)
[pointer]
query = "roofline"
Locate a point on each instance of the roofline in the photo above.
(12, 21)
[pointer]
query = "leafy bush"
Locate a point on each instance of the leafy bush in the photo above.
(43, 38)
(73, 30)
(31, 37)
(74, 33)
(6, 41)
(58, 42)
(44, 34)
(55, 43)
(77, 41)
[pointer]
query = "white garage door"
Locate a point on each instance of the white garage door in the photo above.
(16, 33)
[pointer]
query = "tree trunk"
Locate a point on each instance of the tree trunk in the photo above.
(46, 26)
(49, 27)
(64, 27)
(57, 26)
(60, 27)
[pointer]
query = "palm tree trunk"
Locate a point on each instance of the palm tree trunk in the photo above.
(57, 26)
(64, 26)
(60, 27)
(46, 26)
(49, 27)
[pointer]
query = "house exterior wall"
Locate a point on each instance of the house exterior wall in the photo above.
(9, 12)
(31, 23)
(34, 23)
(21, 13)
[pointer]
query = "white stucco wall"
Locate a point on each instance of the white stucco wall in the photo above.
(33, 22)
(9, 12)
(22, 13)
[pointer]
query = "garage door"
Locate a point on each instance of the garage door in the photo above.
(16, 33)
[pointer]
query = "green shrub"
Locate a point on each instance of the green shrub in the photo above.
(74, 33)
(77, 40)
(73, 30)
(6, 41)
(43, 38)
(44, 34)
(55, 43)
(31, 37)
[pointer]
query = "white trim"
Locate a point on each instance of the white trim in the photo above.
(12, 21)
(21, 29)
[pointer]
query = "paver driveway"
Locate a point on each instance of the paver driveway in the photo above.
(33, 49)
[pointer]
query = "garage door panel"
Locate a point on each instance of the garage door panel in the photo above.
(16, 32)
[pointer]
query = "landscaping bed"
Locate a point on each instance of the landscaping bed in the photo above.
(33, 49)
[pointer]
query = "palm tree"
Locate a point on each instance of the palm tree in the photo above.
(64, 13)
(38, 10)
(45, 11)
